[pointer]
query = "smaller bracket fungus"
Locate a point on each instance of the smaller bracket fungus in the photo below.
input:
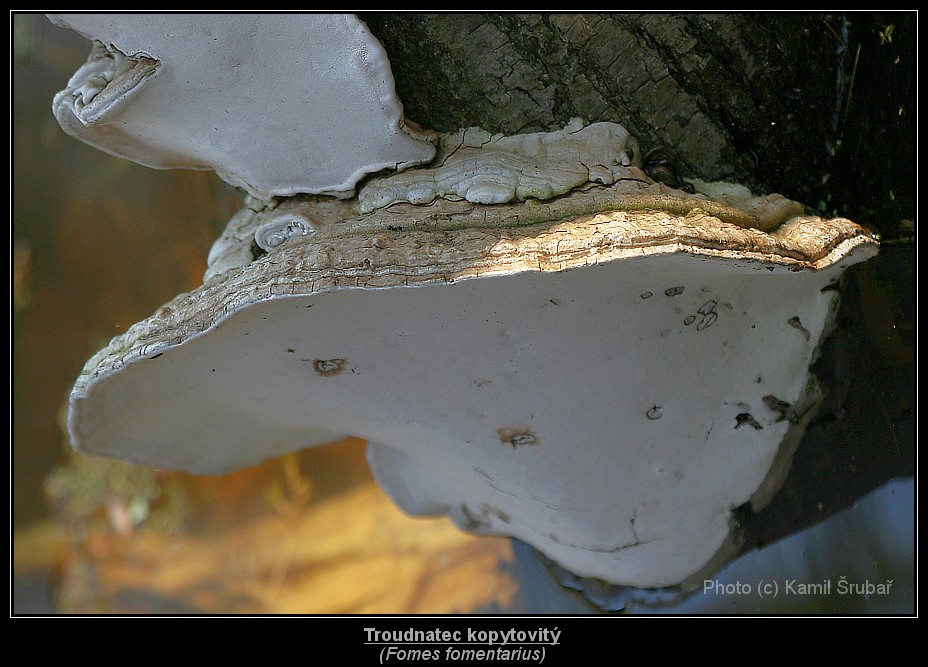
(281, 227)
(277, 104)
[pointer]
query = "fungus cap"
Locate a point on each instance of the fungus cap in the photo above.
(277, 104)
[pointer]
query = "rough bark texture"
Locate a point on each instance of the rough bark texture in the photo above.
(814, 106)
(818, 107)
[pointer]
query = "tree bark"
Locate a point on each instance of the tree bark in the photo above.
(818, 107)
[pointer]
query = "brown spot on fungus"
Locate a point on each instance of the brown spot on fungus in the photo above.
(745, 418)
(327, 367)
(782, 408)
(796, 323)
(517, 437)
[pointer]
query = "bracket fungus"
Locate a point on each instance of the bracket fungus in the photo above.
(571, 354)
(217, 91)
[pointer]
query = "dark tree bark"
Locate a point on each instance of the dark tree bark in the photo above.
(818, 107)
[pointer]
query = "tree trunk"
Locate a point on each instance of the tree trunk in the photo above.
(813, 106)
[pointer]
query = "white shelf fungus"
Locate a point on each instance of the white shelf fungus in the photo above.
(277, 104)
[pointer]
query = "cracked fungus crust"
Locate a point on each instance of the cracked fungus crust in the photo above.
(482, 168)
(604, 380)
(425, 251)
